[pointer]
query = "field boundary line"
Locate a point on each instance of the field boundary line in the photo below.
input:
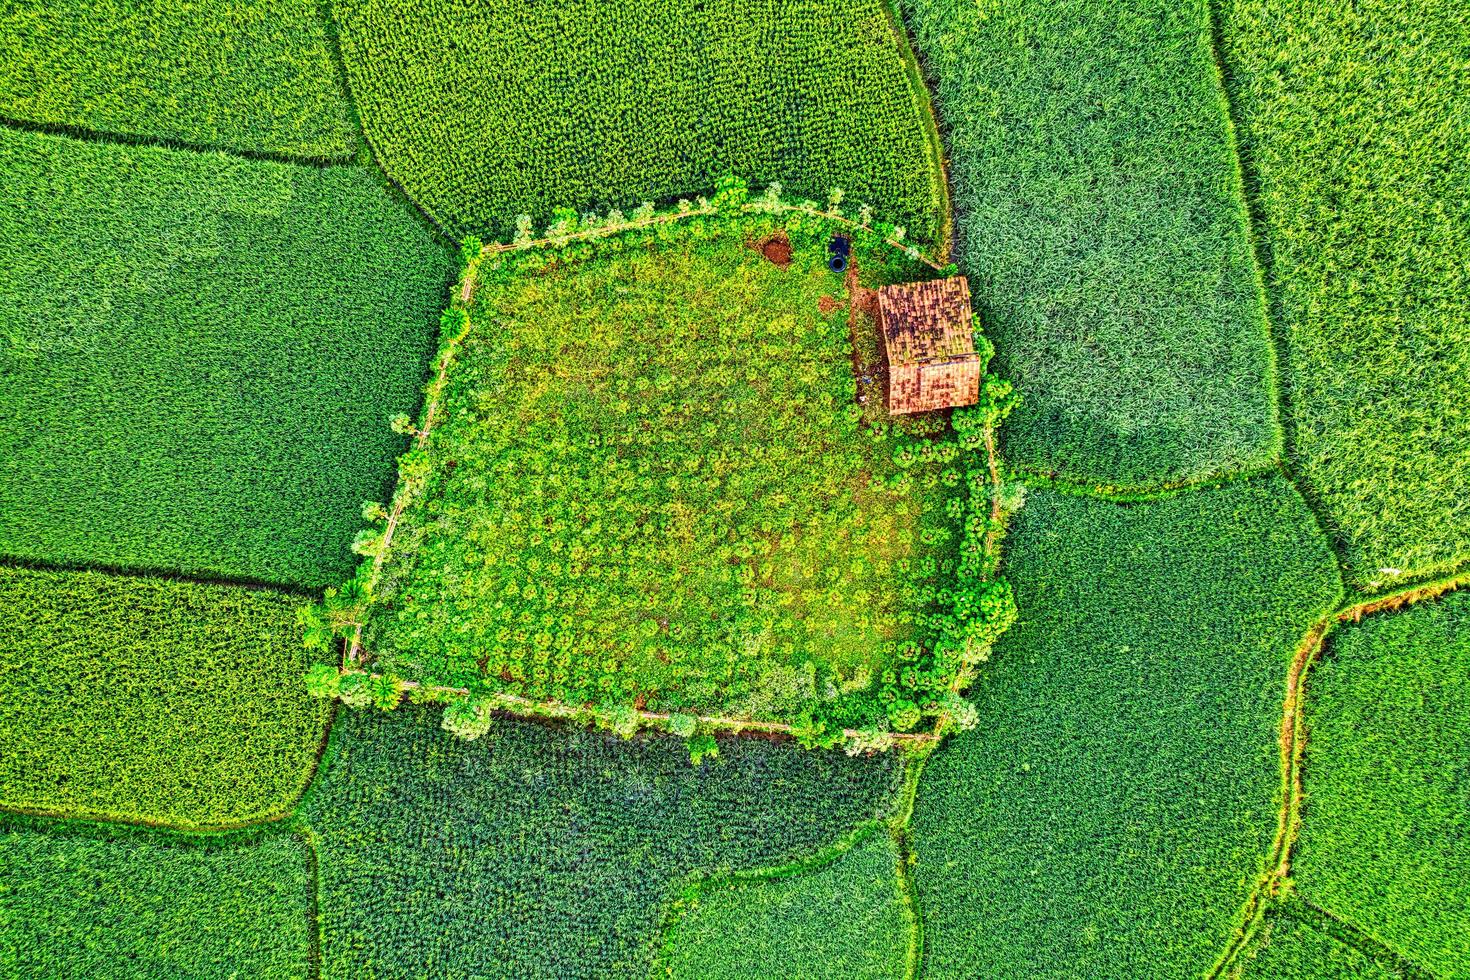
(1275, 882)
(1345, 932)
(159, 575)
(101, 137)
(1121, 494)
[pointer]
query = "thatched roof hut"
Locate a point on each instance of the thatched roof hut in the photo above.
(929, 334)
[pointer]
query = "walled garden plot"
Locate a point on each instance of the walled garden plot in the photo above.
(238, 74)
(152, 701)
(1353, 127)
(1385, 840)
(1105, 236)
(546, 852)
(198, 356)
(489, 110)
(650, 485)
(1079, 840)
(91, 902)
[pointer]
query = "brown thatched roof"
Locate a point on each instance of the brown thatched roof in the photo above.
(930, 338)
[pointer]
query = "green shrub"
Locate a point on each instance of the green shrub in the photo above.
(203, 355)
(1110, 812)
(1385, 838)
(1352, 122)
(847, 920)
(150, 700)
(486, 111)
(547, 852)
(231, 73)
(1104, 235)
(82, 902)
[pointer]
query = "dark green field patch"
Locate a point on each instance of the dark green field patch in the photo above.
(539, 852)
(1294, 946)
(1385, 839)
(85, 903)
(237, 74)
(1103, 230)
(153, 701)
(1115, 804)
(485, 111)
(199, 356)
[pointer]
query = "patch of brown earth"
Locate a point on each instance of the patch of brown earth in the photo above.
(777, 250)
(828, 304)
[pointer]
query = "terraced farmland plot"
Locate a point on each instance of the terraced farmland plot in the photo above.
(236, 74)
(1385, 839)
(91, 903)
(199, 357)
(649, 484)
(1102, 225)
(540, 852)
(485, 111)
(1111, 811)
(152, 701)
(1352, 120)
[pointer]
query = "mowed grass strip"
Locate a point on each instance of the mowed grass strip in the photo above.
(150, 700)
(486, 111)
(235, 74)
(539, 852)
(1102, 226)
(845, 921)
(86, 902)
(1354, 129)
(199, 357)
(1385, 838)
(1109, 815)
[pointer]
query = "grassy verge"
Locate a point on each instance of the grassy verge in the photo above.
(1352, 133)
(199, 356)
(486, 111)
(234, 74)
(152, 701)
(1061, 840)
(1102, 225)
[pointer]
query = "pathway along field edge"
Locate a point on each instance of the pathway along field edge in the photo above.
(1275, 882)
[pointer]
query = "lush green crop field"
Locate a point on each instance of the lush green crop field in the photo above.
(1110, 813)
(1294, 946)
(88, 903)
(199, 356)
(650, 484)
(540, 852)
(150, 700)
(238, 74)
(1104, 234)
(845, 921)
(488, 110)
(1353, 122)
(1385, 840)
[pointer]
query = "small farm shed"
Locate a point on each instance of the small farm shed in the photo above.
(930, 338)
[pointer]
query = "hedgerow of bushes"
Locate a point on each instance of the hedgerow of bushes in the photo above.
(1385, 838)
(85, 902)
(1104, 235)
(1352, 122)
(690, 511)
(198, 355)
(150, 700)
(548, 852)
(489, 110)
(1110, 812)
(237, 74)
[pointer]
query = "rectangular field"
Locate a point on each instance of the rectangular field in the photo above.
(200, 355)
(1353, 126)
(152, 701)
(235, 74)
(1102, 225)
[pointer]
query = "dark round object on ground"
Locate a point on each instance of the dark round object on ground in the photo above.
(837, 263)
